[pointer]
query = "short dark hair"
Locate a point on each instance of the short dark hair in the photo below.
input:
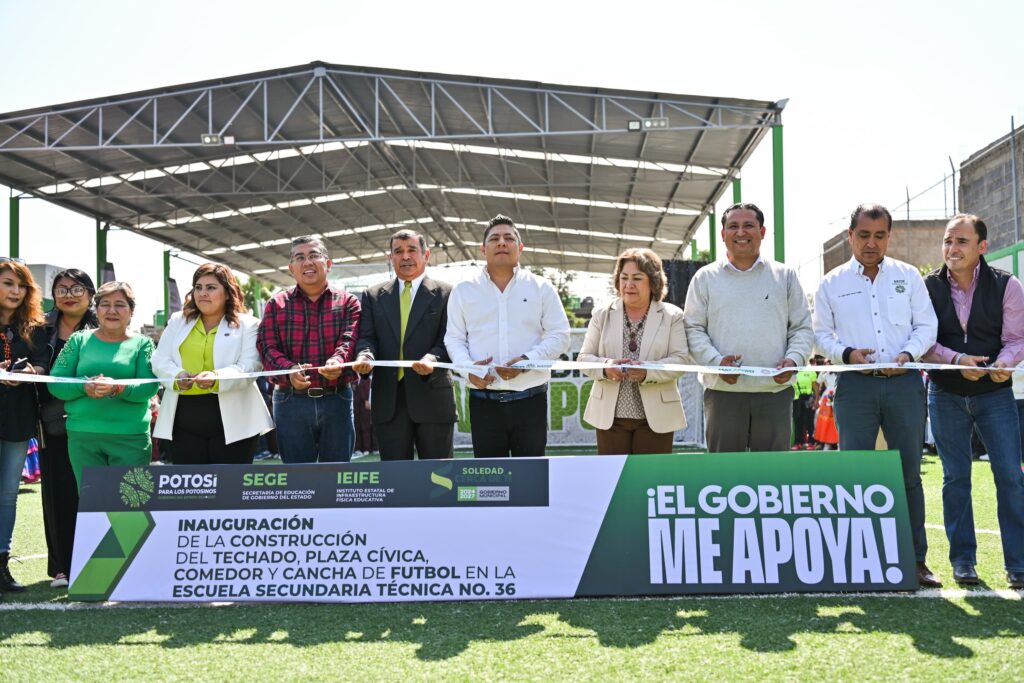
(979, 225)
(872, 211)
(501, 219)
(407, 235)
(308, 239)
(743, 206)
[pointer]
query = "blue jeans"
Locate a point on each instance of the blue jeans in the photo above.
(863, 404)
(314, 429)
(995, 415)
(12, 460)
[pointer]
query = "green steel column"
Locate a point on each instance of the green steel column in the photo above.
(737, 191)
(101, 251)
(167, 285)
(713, 234)
(693, 250)
(779, 195)
(15, 226)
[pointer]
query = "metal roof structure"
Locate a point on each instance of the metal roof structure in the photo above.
(235, 167)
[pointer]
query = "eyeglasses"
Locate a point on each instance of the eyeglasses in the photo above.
(77, 290)
(11, 259)
(312, 257)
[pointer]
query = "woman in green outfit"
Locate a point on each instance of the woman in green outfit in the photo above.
(108, 423)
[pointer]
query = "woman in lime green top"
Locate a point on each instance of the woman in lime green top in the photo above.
(108, 423)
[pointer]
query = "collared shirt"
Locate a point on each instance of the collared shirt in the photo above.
(197, 355)
(1012, 337)
(296, 330)
(527, 319)
(729, 264)
(400, 284)
(891, 315)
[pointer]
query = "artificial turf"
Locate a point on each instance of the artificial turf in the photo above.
(905, 636)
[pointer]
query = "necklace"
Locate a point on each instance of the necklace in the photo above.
(634, 331)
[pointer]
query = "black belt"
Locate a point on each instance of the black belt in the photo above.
(880, 373)
(312, 392)
(507, 396)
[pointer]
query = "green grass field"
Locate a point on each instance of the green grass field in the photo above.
(932, 635)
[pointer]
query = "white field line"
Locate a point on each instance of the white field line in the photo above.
(990, 532)
(928, 594)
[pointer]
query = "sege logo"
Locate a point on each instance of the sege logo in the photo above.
(187, 483)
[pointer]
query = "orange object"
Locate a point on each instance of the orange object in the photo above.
(825, 424)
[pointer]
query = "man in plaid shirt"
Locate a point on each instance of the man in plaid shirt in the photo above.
(311, 325)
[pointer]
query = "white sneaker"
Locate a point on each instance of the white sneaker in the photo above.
(59, 581)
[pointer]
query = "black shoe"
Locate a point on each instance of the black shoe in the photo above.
(925, 578)
(1015, 579)
(965, 575)
(7, 582)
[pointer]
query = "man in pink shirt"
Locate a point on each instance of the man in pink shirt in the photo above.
(981, 323)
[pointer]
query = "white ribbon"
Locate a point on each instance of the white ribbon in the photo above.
(483, 370)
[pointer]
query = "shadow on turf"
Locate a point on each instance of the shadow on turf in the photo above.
(442, 631)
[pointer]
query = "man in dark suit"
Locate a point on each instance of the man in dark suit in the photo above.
(405, 319)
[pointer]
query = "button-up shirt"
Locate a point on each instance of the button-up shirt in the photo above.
(1012, 337)
(891, 314)
(295, 330)
(527, 319)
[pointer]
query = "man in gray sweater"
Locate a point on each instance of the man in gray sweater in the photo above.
(747, 309)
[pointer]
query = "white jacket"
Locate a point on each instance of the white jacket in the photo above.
(242, 408)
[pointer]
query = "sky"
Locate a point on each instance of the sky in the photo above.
(881, 94)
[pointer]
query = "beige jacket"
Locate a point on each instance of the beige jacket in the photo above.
(663, 341)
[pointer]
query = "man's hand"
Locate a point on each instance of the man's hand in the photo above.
(505, 371)
(485, 381)
(332, 369)
(424, 366)
(1001, 375)
(785, 376)
(183, 381)
(364, 366)
(731, 361)
(298, 377)
(860, 356)
(972, 362)
(904, 357)
(205, 379)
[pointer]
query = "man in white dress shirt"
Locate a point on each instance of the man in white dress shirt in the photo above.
(875, 309)
(502, 316)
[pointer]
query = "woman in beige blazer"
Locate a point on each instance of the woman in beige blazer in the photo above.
(635, 410)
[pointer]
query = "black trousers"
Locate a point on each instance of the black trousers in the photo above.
(198, 435)
(60, 504)
(516, 428)
(398, 437)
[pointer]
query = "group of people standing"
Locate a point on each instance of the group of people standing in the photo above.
(742, 309)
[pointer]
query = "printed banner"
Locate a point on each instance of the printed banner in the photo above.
(495, 529)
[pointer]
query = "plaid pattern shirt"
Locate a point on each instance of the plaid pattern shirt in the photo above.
(297, 330)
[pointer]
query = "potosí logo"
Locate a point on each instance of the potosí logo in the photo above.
(186, 484)
(136, 487)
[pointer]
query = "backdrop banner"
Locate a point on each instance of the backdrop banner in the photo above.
(495, 529)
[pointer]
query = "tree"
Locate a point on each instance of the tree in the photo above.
(255, 291)
(561, 279)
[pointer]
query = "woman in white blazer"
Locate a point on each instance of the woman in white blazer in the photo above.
(635, 410)
(212, 416)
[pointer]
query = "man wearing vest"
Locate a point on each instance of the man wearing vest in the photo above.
(981, 323)
(804, 401)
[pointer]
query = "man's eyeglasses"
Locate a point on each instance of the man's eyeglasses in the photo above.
(312, 257)
(77, 290)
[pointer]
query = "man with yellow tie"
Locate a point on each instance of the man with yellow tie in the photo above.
(413, 409)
